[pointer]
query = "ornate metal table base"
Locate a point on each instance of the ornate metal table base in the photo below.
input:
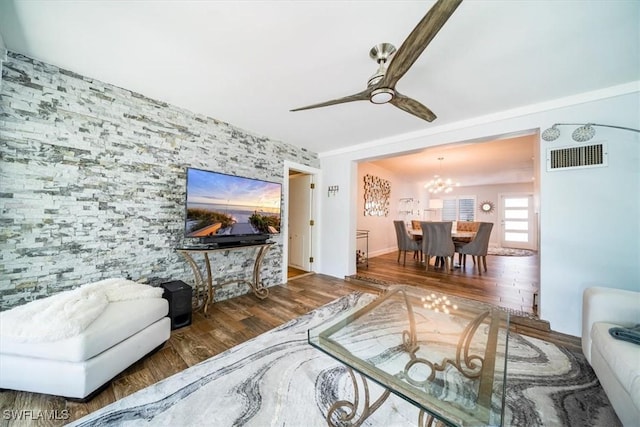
(344, 411)
(203, 290)
(474, 362)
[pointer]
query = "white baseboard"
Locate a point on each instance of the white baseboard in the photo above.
(382, 252)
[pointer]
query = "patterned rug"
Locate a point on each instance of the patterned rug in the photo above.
(278, 379)
(496, 250)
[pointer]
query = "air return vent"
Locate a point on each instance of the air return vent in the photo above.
(584, 156)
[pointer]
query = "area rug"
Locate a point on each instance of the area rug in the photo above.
(278, 379)
(499, 251)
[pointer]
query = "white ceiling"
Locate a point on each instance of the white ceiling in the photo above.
(249, 62)
(501, 161)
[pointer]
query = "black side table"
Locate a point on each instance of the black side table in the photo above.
(178, 294)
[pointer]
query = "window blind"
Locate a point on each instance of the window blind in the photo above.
(449, 212)
(461, 208)
(466, 209)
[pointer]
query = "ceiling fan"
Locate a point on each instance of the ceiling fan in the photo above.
(381, 86)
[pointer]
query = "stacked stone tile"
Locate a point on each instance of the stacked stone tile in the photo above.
(92, 182)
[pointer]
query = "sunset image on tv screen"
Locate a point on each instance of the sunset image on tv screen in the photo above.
(220, 204)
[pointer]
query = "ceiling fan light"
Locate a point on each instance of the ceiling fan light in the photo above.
(382, 95)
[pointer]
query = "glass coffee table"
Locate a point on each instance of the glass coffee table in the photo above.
(445, 355)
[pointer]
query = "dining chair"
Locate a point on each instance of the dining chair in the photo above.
(478, 247)
(405, 241)
(437, 242)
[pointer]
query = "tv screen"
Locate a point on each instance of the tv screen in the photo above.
(222, 205)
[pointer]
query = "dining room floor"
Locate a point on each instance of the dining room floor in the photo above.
(510, 281)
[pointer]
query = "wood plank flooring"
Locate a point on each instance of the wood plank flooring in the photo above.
(508, 282)
(293, 272)
(230, 323)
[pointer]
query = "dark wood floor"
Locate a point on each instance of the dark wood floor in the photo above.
(234, 321)
(229, 323)
(508, 282)
(293, 272)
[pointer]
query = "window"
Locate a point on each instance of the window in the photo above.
(461, 208)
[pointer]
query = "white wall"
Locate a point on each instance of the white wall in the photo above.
(590, 219)
(381, 231)
(491, 193)
(338, 220)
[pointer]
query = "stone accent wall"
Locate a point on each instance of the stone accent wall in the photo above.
(92, 183)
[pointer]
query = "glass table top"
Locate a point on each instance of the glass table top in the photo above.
(446, 355)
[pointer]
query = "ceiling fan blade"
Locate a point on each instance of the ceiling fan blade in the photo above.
(362, 96)
(418, 40)
(412, 106)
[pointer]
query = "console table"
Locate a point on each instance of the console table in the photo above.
(203, 291)
(362, 257)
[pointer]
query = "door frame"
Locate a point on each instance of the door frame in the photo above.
(315, 214)
(300, 214)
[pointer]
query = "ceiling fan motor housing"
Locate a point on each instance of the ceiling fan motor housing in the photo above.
(381, 54)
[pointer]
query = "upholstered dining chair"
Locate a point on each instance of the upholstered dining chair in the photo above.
(477, 247)
(405, 241)
(437, 242)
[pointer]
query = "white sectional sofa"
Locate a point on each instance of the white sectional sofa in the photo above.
(77, 366)
(615, 362)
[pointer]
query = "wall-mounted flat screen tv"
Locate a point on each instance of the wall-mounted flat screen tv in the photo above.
(225, 208)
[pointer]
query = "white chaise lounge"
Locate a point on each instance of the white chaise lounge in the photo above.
(126, 329)
(615, 362)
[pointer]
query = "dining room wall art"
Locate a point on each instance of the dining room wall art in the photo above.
(376, 196)
(487, 207)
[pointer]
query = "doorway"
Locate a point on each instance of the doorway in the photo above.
(517, 221)
(300, 221)
(300, 242)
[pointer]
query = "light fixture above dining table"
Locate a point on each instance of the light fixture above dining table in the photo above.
(439, 184)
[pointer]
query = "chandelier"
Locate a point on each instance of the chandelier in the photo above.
(439, 184)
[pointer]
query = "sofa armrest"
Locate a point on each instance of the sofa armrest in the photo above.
(611, 305)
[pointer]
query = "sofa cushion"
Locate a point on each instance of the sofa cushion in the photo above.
(623, 358)
(119, 321)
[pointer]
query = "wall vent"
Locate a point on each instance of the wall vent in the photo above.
(584, 156)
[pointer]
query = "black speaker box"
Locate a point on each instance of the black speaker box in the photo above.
(178, 294)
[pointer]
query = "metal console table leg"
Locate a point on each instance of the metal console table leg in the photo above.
(203, 291)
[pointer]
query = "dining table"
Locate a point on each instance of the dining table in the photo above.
(455, 235)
